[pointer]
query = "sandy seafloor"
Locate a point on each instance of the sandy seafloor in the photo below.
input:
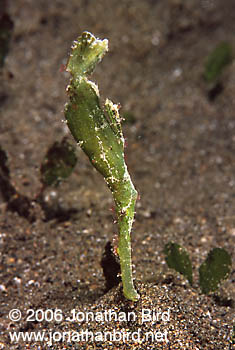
(181, 156)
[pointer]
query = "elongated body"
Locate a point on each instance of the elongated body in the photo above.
(99, 134)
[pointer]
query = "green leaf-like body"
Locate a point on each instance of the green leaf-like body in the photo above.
(99, 134)
(87, 51)
(215, 269)
(90, 127)
(177, 258)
